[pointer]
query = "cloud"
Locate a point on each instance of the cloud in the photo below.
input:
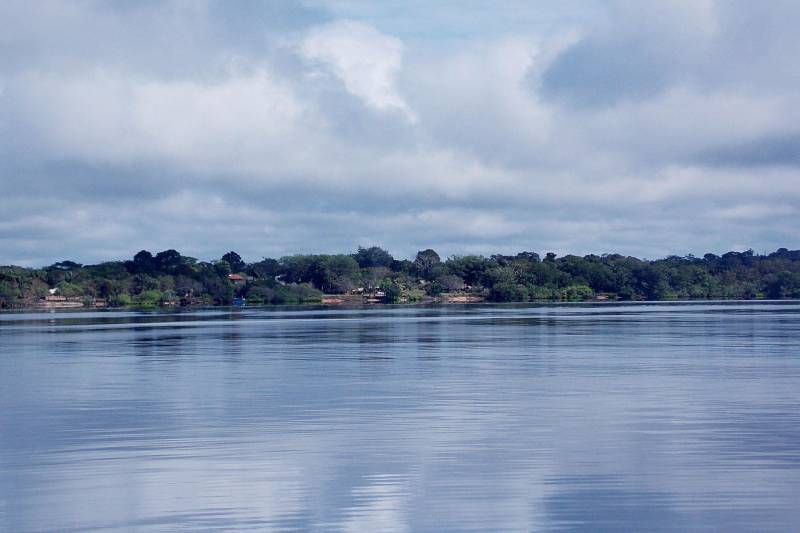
(271, 128)
(774, 149)
(107, 117)
(365, 60)
(634, 53)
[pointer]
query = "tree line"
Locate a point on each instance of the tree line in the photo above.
(169, 278)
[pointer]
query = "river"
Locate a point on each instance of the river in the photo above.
(573, 417)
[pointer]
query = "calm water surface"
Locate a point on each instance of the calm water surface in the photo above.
(639, 417)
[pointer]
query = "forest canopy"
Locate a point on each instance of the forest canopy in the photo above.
(170, 278)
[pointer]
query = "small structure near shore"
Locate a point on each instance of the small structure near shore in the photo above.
(236, 279)
(462, 298)
(55, 301)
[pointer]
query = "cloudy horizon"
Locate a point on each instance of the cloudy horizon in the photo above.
(273, 128)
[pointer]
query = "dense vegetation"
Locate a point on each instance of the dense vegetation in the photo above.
(168, 278)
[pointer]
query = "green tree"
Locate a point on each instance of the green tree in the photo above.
(143, 262)
(168, 261)
(223, 268)
(784, 284)
(296, 268)
(335, 273)
(265, 269)
(471, 268)
(235, 261)
(425, 262)
(373, 256)
(9, 293)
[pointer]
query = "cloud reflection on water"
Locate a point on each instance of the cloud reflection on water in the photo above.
(657, 417)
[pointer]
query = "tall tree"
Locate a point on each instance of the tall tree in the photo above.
(143, 262)
(168, 261)
(235, 261)
(425, 261)
(373, 256)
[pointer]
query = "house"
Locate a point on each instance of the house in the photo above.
(236, 279)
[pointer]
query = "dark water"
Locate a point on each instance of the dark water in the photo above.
(667, 417)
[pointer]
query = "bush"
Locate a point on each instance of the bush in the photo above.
(393, 292)
(296, 294)
(540, 293)
(149, 298)
(121, 300)
(69, 290)
(450, 283)
(508, 292)
(577, 292)
(260, 294)
(434, 288)
(415, 295)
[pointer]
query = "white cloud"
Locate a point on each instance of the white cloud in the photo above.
(241, 122)
(365, 60)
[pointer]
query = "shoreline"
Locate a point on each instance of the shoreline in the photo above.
(355, 305)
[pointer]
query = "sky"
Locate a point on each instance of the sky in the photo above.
(645, 128)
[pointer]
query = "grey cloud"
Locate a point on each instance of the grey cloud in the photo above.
(640, 50)
(260, 18)
(602, 74)
(775, 150)
(645, 48)
(171, 39)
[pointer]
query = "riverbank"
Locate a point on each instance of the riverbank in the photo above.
(337, 301)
